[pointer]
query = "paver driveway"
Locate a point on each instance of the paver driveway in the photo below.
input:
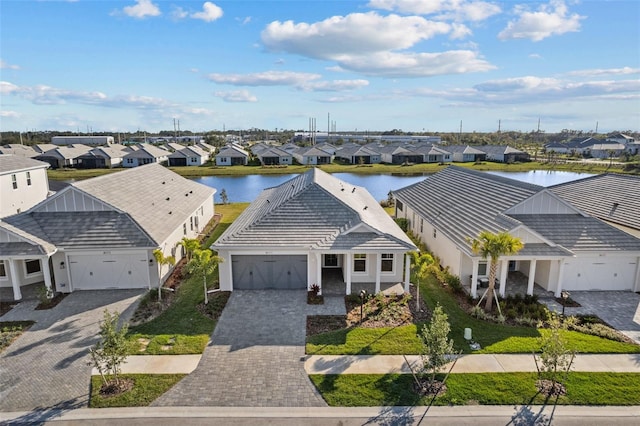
(47, 366)
(256, 356)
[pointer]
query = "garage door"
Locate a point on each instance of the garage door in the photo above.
(95, 272)
(600, 273)
(269, 272)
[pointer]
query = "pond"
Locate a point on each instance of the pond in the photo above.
(247, 188)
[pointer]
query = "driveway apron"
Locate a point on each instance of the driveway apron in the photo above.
(255, 357)
(47, 367)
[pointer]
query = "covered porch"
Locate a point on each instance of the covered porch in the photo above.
(20, 277)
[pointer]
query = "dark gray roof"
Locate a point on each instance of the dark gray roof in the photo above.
(315, 210)
(14, 163)
(95, 229)
(461, 202)
(21, 249)
(579, 233)
(611, 197)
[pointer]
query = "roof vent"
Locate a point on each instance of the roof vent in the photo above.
(268, 201)
(190, 192)
(365, 207)
(168, 198)
(353, 190)
(186, 195)
(163, 182)
(613, 208)
(170, 212)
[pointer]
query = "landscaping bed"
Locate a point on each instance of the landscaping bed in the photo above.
(11, 330)
(51, 303)
(144, 389)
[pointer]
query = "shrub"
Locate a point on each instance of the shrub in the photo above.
(402, 223)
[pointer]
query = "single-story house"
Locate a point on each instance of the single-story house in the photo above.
(145, 153)
(394, 154)
(23, 183)
(26, 151)
(605, 150)
(103, 157)
(272, 155)
(433, 154)
(465, 154)
(100, 233)
(312, 156)
(308, 230)
(232, 155)
(358, 154)
(63, 156)
(189, 156)
(564, 247)
(503, 154)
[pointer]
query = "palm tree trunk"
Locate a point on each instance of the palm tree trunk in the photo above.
(492, 284)
(206, 296)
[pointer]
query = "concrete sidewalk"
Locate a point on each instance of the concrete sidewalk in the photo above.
(383, 364)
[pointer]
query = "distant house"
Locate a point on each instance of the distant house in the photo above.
(82, 140)
(25, 151)
(232, 155)
(206, 147)
(433, 154)
(145, 154)
(105, 157)
(564, 247)
(503, 154)
(189, 156)
(23, 184)
(358, 154)
(273, 156)
(465, 154)
(400, 154)
(314, 229)
(557, 147)
(312, 156)
(63, 156)
(605, 150)
(100, 233)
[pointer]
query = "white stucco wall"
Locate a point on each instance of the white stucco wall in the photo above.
(24, 196)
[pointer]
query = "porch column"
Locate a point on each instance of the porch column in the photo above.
(378, 268)
(319, 271)
(15, 281)
(532, 275)
(44, 267)
(474, 278)
(407, 272)
(560, 276)
(504, 271)
(347, 267)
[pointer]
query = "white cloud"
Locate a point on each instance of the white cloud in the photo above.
(549, 20)
(9, 114)
(179, 13)
(535, 56)
(6, 87)
(458, 10)
(236, 96)
(142, 9)
(267, 78)
(210, 12)
(610, 71)
(334, 85)
(245, 20)
(6, 66)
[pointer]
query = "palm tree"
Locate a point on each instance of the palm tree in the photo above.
(203, 263)
(190, 245)
(492, 246)
(422, 262)
(162, 260)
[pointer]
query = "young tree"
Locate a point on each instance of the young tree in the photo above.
(436, 344)
(111, 350)
(492, 246)
(224, 197)
(422, 262)
(162, 260)
(203, 263)
(555, 358)
(190, 245)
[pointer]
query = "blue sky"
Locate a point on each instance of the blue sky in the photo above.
(372, 65)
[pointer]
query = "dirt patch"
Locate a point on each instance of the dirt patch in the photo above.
(217, 302)
(6, 307)
(551, 388)
(314, 298)
(427, 387)
(113, 388)
(149, 307)
(51, 303)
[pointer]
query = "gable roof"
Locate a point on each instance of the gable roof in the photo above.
(10, 163)
(189, 151)
(232, 151)
(315, 211)
(610, 197)
(147, 151)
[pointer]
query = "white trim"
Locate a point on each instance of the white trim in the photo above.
(4, 277)
(366, 264)
(33, 274)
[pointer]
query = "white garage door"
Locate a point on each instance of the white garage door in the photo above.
(600, 273)
(96, 272)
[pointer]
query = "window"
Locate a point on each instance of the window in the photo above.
(29, 178)
(387, 262)
(3, 271)
(435, 233)
(359, 262)
(330, 260)
(32, 266)
(399, 205)
(14, 181)
(184, 229)
(191, 222)
(129, 160)
(421, 225)
(482, 269)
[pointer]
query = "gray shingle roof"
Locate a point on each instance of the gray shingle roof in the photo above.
(315, 210)
(159, 200)
(611, 197)
(13, 163)
(99, 229)
(39, 245)
(462, 202)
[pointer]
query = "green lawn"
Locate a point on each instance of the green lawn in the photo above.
(147, 387)
(493, 338)
(352, 390)
(229, 213)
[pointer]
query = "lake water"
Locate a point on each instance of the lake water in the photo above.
(247, 188)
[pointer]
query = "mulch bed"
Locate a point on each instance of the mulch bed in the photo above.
(217, 302)
(568, 303)
(112, 388)
(429, 388)
(314, 299)
(549, 388)
(51, 303)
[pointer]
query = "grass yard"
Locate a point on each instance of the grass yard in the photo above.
(357, 390)
(229, 213)
(493, 338)
(11, 330)
(146, 388)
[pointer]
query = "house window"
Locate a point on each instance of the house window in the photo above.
(435, 233)
(129, 160)
(421, 225)
(14, 181)
(184, 228)
(482, 269)
(359, 262)
(32, 266)
(3, 270)
(330, 260)
(29, 178)
(191, 222)
(387, 262)
(399, 205)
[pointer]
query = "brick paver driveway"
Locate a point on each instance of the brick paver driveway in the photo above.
(255, 358)
(47, 366)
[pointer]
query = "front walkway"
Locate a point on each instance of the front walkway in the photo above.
(48, 365)
(256, 355)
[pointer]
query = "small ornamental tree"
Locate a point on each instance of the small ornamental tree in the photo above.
(111, 350)
(555, 358)
(203, 263)
(190, 245)
(224, 197)
(436, 344)
(162, 260)
(422, 263)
